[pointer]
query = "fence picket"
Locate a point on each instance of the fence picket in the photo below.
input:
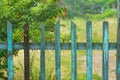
(42, 56)
(10, 51)
(118, 45)
(105, 52)
(73, 51)
(57, 51)
(89, 50)
(26, 52)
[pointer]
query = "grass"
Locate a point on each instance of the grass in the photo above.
(50, 66)
(65, 55)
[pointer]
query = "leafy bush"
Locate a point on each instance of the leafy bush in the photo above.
(18, 12)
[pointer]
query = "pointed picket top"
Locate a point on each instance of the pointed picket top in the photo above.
(42, 24)
(73, 24)
(57, 23)
(9, 25)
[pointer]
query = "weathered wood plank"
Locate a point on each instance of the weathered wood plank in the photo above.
(57, 51)
(73, 51)
(42, 56)
(118, 45)
(10, 51)
(89, 50)
(26, 52)
(105, 51)
(63, 46)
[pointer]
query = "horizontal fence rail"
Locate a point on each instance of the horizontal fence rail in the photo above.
(63, 46)
(57, 46)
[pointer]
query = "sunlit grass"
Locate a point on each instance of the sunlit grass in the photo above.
(50, 65)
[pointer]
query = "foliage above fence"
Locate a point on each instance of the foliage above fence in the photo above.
(20, 11)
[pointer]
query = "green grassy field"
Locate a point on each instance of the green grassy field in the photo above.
(65, 55)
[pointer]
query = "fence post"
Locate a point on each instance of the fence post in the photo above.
(118, 45)
(105, 52)
(10, 51)
(73, 54)
(57, 51)
(26, 52)
(89, 50)
(42, 56)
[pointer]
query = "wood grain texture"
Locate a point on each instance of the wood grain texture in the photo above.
(105, 52)
(73, 51)
(89, 50)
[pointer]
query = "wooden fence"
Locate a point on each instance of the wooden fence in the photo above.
(57, 46)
